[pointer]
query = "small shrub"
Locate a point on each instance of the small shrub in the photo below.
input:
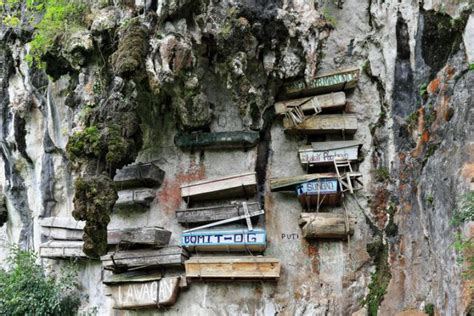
(382, 174)
(465, 212)
(330, 19)
(429, 309)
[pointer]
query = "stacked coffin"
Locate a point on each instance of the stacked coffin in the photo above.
(315, 113)
(226, 211)
(64, 238)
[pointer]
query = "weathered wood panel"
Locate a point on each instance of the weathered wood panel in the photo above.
(217, 140)
(326, 225)
(146, 235)
(167, 256)
(56, 249)
(253, 267)
(62, 222)
(139, 175)
(324, 153)
(239, 185)
(131, 277)
(290, 183)
(62, 233)
(329, 82)
(225, 240)
(331, 101)
(319, 192)
(214, 213)
(134, 199)
(324, 124)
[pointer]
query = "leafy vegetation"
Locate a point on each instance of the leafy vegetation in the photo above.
(84, 143)
(429, 309)
(465, 247)
(382, 174)
(471, 66)
(25, 289)
(465, 212)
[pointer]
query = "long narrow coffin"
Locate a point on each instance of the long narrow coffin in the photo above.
(324, 153)
(319, 192)
(215, 268)
(331, 101)
(326, 225)
(240, 185)
(330, 82)
(225, 240)
(324, 124)
(144, 258)
(134, 199)
(139, 175)
(214, 213)
(156, 236)
(58, 249)
(217, 140)
(290, 183)
(62, 228)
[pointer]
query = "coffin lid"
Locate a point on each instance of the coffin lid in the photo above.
(289, 183)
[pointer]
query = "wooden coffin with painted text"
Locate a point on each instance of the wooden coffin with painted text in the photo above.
(323, 124)
(217, 140)
(156, 236)
(214, 213)
(324, 83)
(134, 199)
(239, 185)
(225, 240)
(322, 191)
(139, 175)
(309, 105)
(327, 225)
(222, 268)
(62, 228)
(62, 249)
(144, 258)
(324, 153)
(290, 183)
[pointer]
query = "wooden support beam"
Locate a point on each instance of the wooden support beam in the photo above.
(324, 124)
(225, 240)
(217, 140)
(326, 225)
(214, 213)
(156, 236)
(139, 175)
(134, 199)
(331, 101)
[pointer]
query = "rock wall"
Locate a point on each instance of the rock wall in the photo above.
(143, 72)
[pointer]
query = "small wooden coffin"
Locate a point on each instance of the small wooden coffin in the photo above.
(217, 140)
(139, 175)
(331, 101)
(225, 240)
(62, 228)
(324, 153)
(326, 225)
(58, 249)
(290, 183)
(324, 124)
(319, 192)
(156, 236)
(145, 294)
(330, 82)
(253, 268)
(144, 258)
(134, 199)
(214, 213)
(244, 184)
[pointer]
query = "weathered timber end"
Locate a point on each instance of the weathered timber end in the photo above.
(139, 175)
(134, 199)
(331, 101)
(327, 225)
(217, 140)
(156, 236)
(324, 124)
(214, 213)
(225, 240)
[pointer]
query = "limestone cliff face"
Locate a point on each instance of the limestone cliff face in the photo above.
(120, 89)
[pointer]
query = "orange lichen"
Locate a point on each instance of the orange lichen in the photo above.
(433, 86)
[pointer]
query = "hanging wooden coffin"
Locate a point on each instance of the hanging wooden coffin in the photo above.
(62, 228)
(61, 249)
(319, 192)
(144, 258)
(314, 104)
(215, 268)
(134, 199)
(290, 183)
(326, 225)
(323, 124)
(217, 140)
(139, 175)
(330, 82)
(225, 240)
(324, 153)
(240, 185)
(214, 213)
(156, 236)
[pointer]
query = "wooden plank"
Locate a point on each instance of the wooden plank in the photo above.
(331, 101)
(167, 256)
(225, 240)
(319, 192)
(62, 222)
(162, 292)
(62, 249)
(214, 213)
(62, 233)
(290, 183)
(139, 175)
(254, 267)
(324, 153)
(329, 82)
(245, 216)
(324, 124)
(145, 235)
(326, 225)
(135, 199)
(132, 277)
(217, 140)
(240, 185)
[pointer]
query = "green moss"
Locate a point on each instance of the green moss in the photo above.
(412, 120)
(118, 147)
(382, 174)
(429, 309)
(84, 144)
(471, 66)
